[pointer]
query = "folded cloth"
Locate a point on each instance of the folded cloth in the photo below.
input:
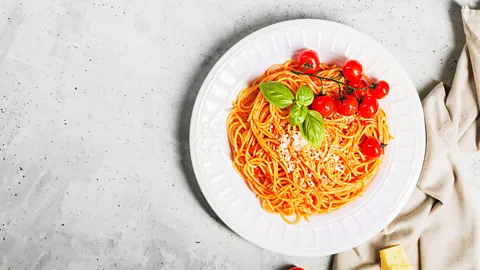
(438, 226)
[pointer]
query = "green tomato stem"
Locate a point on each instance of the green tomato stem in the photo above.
(333, 80)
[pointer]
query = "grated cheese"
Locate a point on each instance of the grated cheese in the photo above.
(327, 181)
(288, 141)
(339, 168)
(298, 141)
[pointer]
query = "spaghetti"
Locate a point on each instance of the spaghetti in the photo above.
(289, 176)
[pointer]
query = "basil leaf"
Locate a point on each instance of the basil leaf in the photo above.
(298, 114)
(313, 128)
(304, 96)
(277, 94)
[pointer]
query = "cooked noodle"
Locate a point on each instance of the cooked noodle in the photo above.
(289, 176)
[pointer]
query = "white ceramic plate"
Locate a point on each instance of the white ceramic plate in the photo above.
(227, 193)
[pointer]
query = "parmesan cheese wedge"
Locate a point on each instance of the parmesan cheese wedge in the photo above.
(394, 258)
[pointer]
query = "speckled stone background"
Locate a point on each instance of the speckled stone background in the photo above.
(95, 102)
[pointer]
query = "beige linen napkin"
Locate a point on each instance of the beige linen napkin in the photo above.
(438, 226)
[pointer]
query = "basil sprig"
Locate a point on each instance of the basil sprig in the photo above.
(304, 96)
(277, 94)
(309, 122)
(298, 113)
(313, 128)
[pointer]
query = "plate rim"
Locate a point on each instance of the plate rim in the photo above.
(205, 86)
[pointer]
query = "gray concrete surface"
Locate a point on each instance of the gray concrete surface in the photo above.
(95, 102)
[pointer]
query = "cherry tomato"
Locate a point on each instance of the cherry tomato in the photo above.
(325, 105)
(359, 92)
(358, 84)
(296, 268)
(368, 107)
(352, 70)
(372, 147)
(347, 105)
(308, 61)
(381, 90)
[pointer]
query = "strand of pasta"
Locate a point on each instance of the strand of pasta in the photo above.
(308, 181)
